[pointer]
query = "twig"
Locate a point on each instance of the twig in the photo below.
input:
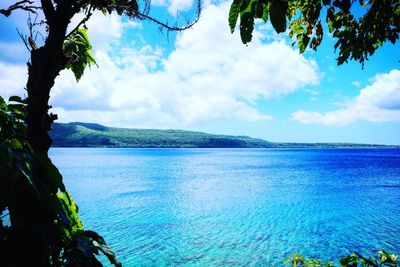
(88, 15)
(144, 16)
(24, 39)
(175, 28)
(26, 5)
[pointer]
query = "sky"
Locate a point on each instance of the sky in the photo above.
(205, 79)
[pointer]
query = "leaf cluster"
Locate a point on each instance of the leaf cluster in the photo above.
(40, 213)
(354, 260)
(27, 5)
(126, 7)
(78, 51)
(357, 37)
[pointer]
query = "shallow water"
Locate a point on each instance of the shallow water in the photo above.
(236, 207)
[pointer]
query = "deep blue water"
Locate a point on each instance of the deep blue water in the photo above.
(236, 207)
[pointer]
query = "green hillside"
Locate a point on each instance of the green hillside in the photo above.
(78, 134)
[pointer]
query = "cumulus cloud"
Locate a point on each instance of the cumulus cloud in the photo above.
(377, 102)
(13, 79)
(105, 30)
(174, 6)
(210, 75)
(356, 83)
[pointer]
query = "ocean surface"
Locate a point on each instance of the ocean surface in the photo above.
(236, 207)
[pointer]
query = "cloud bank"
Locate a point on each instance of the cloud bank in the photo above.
(210, 75)
(377, 102)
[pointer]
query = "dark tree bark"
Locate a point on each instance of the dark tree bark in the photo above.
(45, 65)
(32, 225)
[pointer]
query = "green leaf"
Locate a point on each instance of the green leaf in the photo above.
(245, 6)
(15, 98)
(277, 13)
(16, 144)
(259, 9)
(101, 244)
(70, 211)
(264, 16)
(26, 169)
(51, 173)
(77, 49)
(246, 27)
(3, 104)
(387, 258)
(18, 109)
(135, 5)
(349, 260)
(233, 14)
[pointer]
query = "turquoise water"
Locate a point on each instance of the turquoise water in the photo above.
(236, 207)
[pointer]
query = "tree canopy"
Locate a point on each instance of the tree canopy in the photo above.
(359, 26)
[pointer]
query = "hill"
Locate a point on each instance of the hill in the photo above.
(79, 134)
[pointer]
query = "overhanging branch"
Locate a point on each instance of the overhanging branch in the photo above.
(82, 22)
(26, 5)
(132, 13)
(167, 26)
(48, 10)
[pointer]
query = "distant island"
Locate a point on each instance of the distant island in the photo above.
(79, 134)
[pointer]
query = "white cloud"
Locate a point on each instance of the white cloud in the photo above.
(13, 79)
(312, 92)
(210, 75)
(105, 30)
(377, 102)
(174, 6)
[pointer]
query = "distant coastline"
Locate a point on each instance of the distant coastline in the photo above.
(79, 134)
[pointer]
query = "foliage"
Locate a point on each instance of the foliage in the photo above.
(27, 5)
(77, 49)
(297, 260)
(78, 134)
(95, 135)
(357, 35)
(129, 8)
(353, 260)
(29, 180)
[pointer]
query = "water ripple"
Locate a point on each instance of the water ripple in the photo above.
(236, 207)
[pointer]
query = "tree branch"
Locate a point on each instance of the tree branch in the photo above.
(132, 13)
(26, 5)
(167, 26)
(24, 39)
(48, 10)
(86, 18)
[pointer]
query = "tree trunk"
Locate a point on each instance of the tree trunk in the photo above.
(34, 231)
(35, 234)
(46, 63)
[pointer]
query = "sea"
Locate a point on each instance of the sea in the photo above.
(235, 207)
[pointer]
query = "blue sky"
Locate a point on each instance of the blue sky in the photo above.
(205, 79)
